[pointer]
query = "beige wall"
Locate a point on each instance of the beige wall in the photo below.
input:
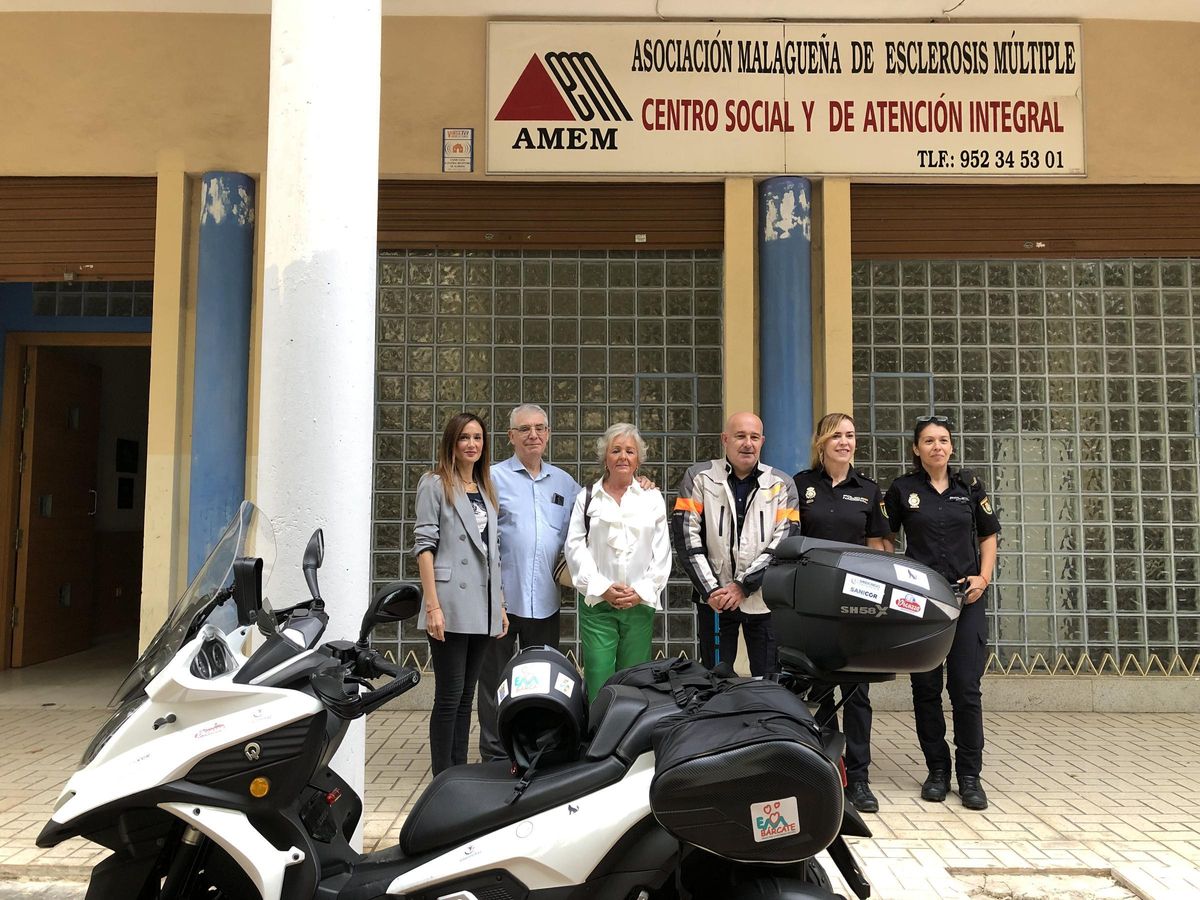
(175, 95)
(104, 93)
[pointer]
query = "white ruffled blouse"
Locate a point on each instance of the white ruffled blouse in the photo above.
(628, 543)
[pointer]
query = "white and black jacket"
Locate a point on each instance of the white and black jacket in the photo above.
(705, 535)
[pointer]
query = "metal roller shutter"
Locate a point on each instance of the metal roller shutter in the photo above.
(95, 229)
(559, 216)
(1007, 222)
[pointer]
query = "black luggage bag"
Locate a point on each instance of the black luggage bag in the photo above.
(744, 776)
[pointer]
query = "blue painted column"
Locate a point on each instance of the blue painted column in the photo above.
(224, 288)
(785, 320)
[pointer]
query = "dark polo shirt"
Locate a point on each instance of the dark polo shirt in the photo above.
(942, 530)
(851, 512)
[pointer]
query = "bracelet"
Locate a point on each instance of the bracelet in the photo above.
(430, 609)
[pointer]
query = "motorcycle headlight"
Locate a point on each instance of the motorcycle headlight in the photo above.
(109, 728)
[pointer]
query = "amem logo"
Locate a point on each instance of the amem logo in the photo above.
(578, 92)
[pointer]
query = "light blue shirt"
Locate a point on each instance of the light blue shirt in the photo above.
(533, 519)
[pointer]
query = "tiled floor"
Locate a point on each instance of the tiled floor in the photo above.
(1070, 793)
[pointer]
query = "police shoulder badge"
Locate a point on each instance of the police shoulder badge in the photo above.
(914, 501)
(810, 493)
(986, 503)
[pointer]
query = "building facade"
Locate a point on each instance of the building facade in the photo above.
(1050, 315)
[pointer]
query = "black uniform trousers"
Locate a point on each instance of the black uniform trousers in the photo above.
(856, 724)
(761, 647)
(529, 633)
(963, 673)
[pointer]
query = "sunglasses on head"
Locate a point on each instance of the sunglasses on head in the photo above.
(936, 420)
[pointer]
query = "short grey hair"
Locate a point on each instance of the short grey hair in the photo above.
(620, 430)
(525, 408)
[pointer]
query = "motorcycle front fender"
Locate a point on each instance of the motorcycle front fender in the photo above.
(119, 877)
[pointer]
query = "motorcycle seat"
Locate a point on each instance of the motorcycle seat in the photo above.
(465, 802)
(623, 721)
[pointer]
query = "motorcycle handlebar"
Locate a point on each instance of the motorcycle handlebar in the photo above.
(329, 684)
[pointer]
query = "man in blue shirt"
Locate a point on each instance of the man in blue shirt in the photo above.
(535, 500)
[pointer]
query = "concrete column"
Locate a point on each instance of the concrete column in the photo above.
(785, 319)
(224, 288)
(318, 316)
(833, 319)
(162, 544)
(741, 295)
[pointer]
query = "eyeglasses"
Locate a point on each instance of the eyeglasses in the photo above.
(536, 429)
(936, 420)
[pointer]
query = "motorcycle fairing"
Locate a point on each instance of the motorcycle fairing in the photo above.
(575, 835)
(210, 715)
(232, 831)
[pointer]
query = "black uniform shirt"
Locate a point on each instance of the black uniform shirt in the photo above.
(942, 530)
(851, 512)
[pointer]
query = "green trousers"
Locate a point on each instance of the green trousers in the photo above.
(612, 639)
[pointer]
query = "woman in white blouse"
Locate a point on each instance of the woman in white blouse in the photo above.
(619, 555)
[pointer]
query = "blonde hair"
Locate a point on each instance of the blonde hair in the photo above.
(619, 430)
(823, 432)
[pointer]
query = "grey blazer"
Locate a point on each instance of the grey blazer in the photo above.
(462, 567)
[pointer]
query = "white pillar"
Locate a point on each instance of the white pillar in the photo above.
(318, 321)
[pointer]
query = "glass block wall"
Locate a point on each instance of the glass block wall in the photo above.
(1073, 388)
(593, 337)
(122, 299)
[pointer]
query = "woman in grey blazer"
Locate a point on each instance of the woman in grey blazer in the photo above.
(459, 563)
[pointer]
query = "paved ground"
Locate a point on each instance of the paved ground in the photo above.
(1072, 795)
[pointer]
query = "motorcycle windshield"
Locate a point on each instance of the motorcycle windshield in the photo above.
(247, 534)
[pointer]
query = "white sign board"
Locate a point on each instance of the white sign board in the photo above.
(809, 99)
(458, 149)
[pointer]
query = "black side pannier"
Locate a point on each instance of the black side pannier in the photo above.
(744, 776)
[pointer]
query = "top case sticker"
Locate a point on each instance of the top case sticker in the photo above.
(501, 692)
(864, 588)
(563, 684)
(912, 576)
(531, 678)
(913, 604)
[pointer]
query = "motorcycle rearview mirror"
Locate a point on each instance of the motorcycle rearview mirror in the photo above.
(314, 555)
(247, 588)
(394, 602)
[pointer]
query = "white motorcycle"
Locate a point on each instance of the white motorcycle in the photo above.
(212, 777)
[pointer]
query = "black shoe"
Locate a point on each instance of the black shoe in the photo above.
(936, 786)
(860, 797)
(971, 791)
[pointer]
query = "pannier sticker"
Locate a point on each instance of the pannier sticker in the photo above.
(912, 576)
(864, 588)
(501, 692)
(563, 684)
(531, 678)
(913, 604)
(774, 819)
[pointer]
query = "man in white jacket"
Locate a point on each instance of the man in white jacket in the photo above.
(729, 515)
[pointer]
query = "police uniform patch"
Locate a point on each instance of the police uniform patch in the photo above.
(986, 503)
(914, 501)
(810, 494)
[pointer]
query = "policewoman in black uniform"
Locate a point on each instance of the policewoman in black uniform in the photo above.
(950, 526)
(838, 503)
